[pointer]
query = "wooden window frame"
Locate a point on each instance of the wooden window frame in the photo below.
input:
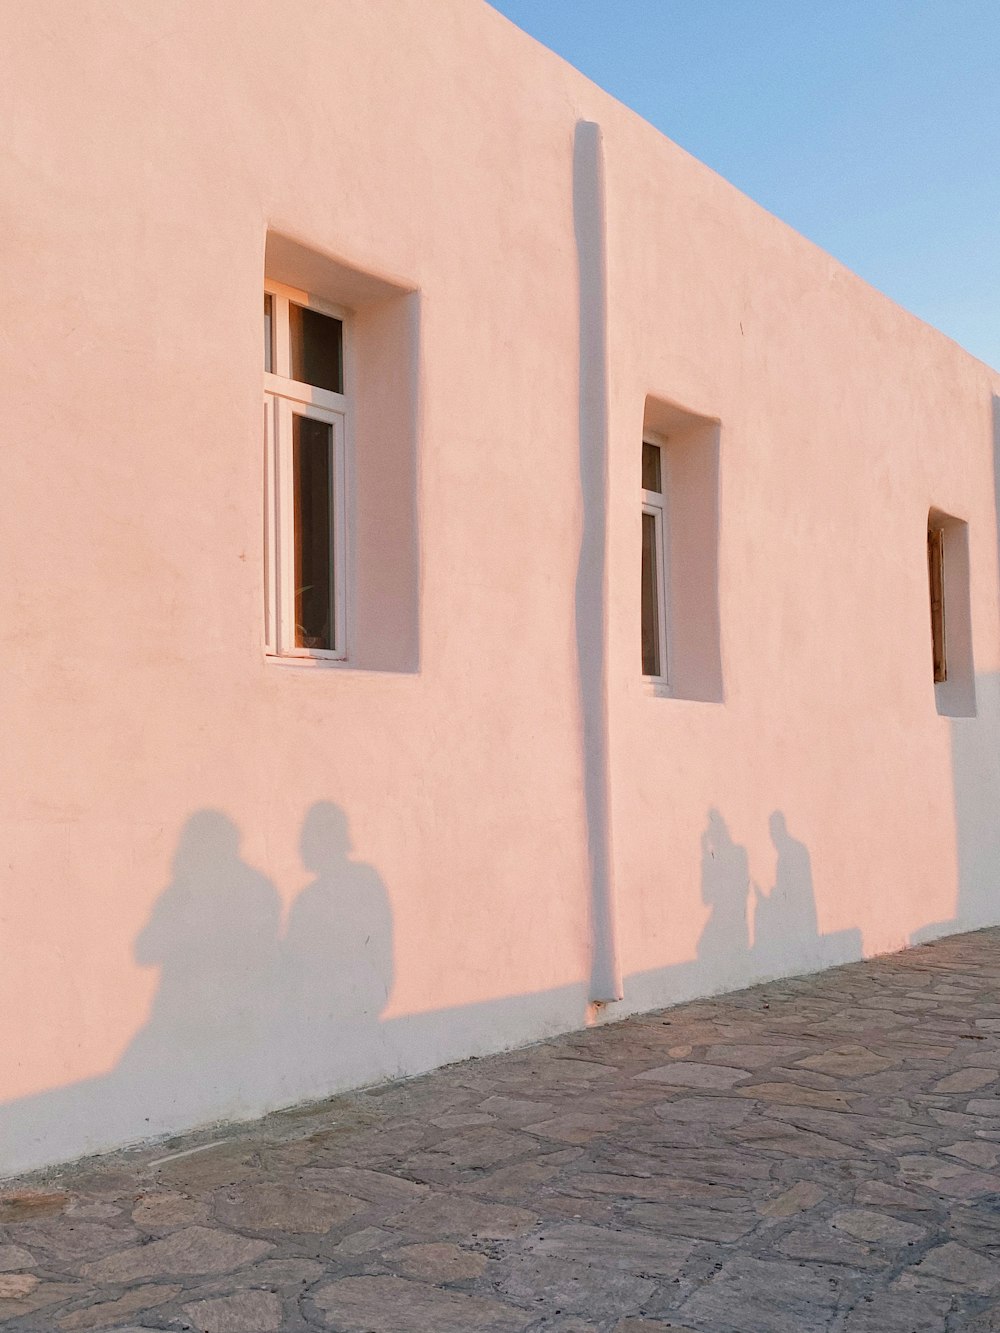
(283, 398)
(654, 503)
(936, 581)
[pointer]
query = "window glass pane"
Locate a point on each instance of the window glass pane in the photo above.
(651, 467)
(312, 464)
(268, 332)
(650, 599)
(317, 347)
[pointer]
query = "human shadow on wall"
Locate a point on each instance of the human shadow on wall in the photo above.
(785, 935)
(214, 934)
(244, 1016)
(785, 919)
(725, 887)
(337, 954)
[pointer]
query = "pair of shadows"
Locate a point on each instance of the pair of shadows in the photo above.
(786, 929)
(246, 1015)
(234, 989)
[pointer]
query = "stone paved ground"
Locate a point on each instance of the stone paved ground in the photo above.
(812, 1154)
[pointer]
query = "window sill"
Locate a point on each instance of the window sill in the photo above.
(660, 689)
(308, 663)
(657, 689)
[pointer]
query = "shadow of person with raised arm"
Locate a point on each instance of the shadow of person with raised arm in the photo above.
(725, 888)
(214, 934)
(338, 958)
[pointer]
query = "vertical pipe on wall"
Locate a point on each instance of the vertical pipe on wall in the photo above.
(591, 591)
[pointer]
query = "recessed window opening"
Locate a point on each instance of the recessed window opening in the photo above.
(654, 619)
(305, 412)
(679, 592)
(948, 580)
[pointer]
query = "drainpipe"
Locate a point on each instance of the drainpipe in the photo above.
(591, 579)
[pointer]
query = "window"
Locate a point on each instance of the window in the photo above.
(935, 569)
(948, 578)
(305, 413)
(654, 642)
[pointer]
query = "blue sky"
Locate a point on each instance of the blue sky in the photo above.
(872, 126)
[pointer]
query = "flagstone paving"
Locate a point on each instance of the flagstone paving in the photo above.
(821, 1153)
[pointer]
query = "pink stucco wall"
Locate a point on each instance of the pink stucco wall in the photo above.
(230, 883)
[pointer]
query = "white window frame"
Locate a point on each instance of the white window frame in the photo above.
(654, 503)
(283, 398)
